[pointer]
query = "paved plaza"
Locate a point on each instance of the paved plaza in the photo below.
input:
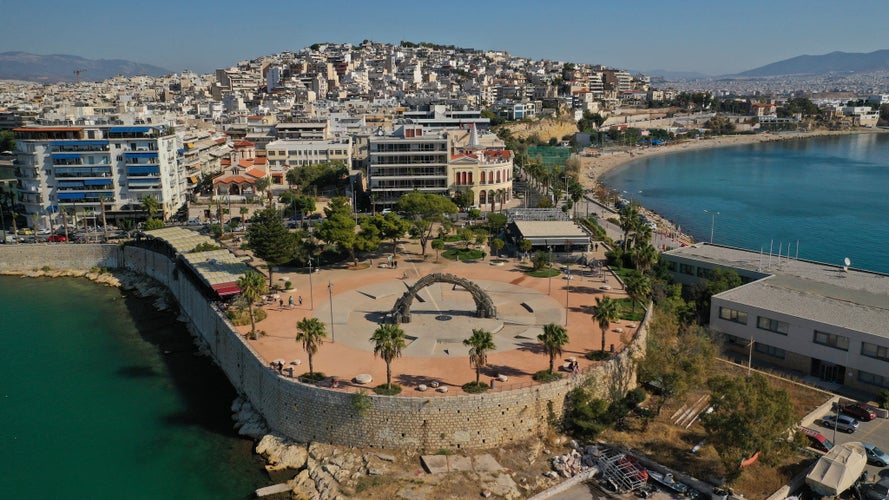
(443, 315)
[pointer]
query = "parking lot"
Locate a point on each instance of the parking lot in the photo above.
(875, 432)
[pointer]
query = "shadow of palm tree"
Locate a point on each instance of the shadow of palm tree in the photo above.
(509, 371)
(532, 347)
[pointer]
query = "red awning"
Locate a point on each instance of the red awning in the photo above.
(225, 289)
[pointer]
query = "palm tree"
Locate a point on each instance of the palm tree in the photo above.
(605, 312)
(629, 219)
(150, 204)
(500, 195)
(252, 285)
(388, 342)
(638, 287)
(310, 331)
(479, 344)
(646, 256)
(553, 338)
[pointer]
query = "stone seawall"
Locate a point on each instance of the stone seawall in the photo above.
(309, 413)
(33, 257)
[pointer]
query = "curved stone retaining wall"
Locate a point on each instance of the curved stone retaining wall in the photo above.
(309, 413)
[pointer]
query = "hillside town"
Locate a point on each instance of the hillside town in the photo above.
(91, 147)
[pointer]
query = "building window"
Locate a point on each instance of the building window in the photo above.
(832, 340)
(875, 351)
(733, 315)
(772, 325)
(687, 269)
(769, 350)
(872, 379)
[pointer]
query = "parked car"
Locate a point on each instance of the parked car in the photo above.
(841, 423)
(859, 411)
(817, 440)
(875, 455)
(875, 491)
(57, 238)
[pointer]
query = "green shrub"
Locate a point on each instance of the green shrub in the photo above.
(598, 355)
(475, 387)
(288, 285)
(312, 377)
(240, 316)
(390, 390)
(883, 399)
(546, 376)
(361, 403)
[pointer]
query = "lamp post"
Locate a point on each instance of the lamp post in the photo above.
(712, 223)
(330, 291)
(311, 288)
(567, 293)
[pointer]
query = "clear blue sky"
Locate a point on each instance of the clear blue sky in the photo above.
(712, 37)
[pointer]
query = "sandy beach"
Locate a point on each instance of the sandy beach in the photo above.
(592, 168)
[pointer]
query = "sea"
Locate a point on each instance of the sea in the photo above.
(103, 396)
(823, 198)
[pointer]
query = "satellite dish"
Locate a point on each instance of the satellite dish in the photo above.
(847, 262)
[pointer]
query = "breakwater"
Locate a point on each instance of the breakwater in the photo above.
(308, 413)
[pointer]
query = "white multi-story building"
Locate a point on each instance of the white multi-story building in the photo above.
(410, 159)
(483, 166)
(76, 169)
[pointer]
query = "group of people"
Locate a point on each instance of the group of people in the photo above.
(289, 302)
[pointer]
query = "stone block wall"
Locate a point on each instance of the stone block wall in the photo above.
(309, 413)
(29, 257)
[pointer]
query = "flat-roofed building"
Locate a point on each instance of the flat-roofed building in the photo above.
(411, 159)
(816, 319)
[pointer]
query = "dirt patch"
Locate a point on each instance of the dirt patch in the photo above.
(545, 129)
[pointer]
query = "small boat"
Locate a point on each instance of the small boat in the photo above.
(668, 482)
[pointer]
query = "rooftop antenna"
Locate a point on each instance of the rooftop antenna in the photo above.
(846, 264)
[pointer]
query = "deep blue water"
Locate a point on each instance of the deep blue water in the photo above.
(101, 396)
(828, 194)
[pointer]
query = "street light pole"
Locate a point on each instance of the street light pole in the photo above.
(332, 333)
(311, 288)
(712, 223)
(567, 294)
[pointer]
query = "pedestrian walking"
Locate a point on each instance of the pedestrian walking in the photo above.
(281, 303)
(300, 300)
(290, 302)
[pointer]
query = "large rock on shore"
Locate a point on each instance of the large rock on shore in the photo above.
(281, 453)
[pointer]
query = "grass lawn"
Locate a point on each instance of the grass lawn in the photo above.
(546, 272)
(625, 310)
(462, 254)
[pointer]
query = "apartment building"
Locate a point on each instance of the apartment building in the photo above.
(77, 169)
(814, 319)
(407, 160)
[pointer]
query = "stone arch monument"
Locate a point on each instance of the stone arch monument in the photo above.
(484, 306)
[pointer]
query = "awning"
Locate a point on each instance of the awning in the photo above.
(66, 156)
(97, 182)
(152, 154)
(70, 184)
(143, 170)
(129, 130)
(226, 289)
(193, 179)
(71, 196)
(78, 143)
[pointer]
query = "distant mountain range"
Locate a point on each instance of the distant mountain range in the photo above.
(835, 62)
(60, 68)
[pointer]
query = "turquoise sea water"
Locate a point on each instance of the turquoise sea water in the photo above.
(101, 396)
(829, 194)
